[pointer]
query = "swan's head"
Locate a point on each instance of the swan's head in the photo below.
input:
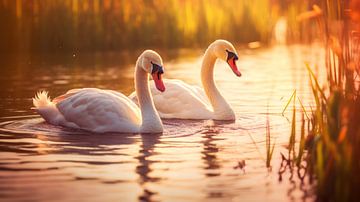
(152, 63)
(226, 51)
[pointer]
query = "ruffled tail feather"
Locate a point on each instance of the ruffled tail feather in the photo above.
(41, 99)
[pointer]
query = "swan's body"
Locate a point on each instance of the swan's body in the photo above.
(184, 101)
(184, 95)
(103, 111)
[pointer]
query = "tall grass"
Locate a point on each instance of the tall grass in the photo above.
(269, 147)
(67, 25)
(333, 129)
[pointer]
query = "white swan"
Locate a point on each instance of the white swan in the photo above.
(184, 101)
(103, 111)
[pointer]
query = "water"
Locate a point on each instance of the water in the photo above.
(190, 161)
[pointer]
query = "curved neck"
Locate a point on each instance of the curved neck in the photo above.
(151, 122)
(219, 104)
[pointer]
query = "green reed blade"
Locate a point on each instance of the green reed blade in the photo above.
(302, 141)
(316, 81)
(288, 102)
(303, 108)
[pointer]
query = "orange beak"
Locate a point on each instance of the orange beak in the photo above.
(157, 77)
(232, 64)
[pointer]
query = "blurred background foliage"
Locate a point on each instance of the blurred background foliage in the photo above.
(101, 25)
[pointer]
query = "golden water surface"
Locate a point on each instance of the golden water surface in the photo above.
(190, 161)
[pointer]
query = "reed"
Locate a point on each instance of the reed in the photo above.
(98, 25)
(269, 147)
(332, 143)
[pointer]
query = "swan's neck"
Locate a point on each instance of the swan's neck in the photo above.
(222, 109)
(151, 122)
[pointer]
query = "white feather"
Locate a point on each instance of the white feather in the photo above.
(41, 99)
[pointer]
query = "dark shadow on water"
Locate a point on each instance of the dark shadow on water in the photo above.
(209, 153)
(147, 149)
(212, 164)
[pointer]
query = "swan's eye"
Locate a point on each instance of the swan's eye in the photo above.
(156, 68)
(231, 55)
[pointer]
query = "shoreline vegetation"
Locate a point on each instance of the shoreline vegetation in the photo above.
(329, 140)
(94, 25)
(113, 25)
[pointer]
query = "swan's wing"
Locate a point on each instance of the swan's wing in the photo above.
(133, 98)
(196, 90)
(71, 92)
(128, 100)
(100, 111)
(180, 100)
(201, 94)
(68, 94)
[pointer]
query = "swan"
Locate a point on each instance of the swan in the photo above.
(102, 111)
(184, 101)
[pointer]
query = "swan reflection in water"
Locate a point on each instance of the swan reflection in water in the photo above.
(146, 150)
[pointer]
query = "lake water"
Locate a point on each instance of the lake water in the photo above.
(190, 161)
